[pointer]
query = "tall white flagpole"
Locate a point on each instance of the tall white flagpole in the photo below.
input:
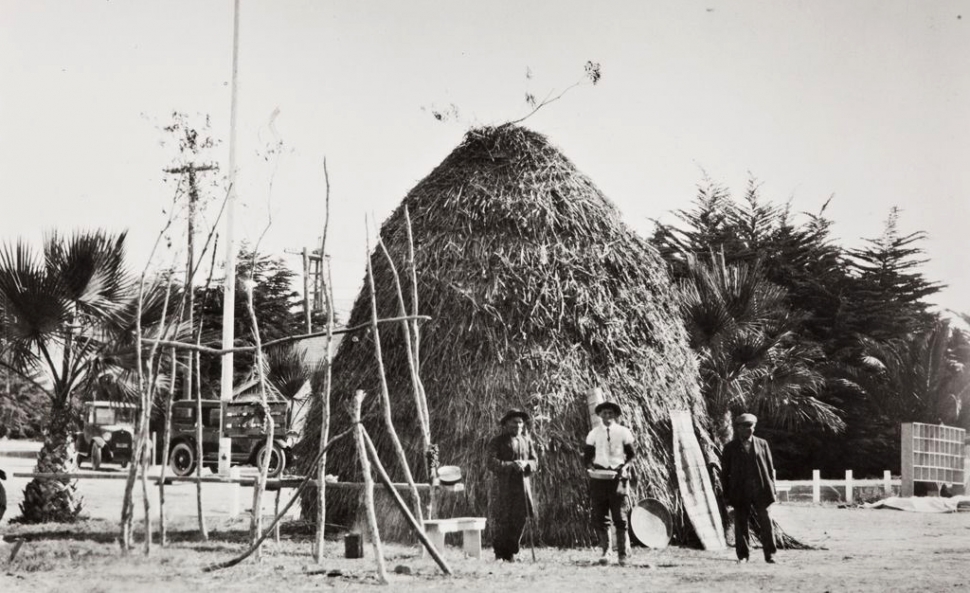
(229, 300)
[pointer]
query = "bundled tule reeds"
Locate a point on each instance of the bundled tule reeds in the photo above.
(536, 292)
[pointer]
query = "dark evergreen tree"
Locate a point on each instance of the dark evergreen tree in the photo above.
(277, 308)
(889, 302)
(842, 301)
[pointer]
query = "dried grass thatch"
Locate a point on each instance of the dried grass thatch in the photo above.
(537, 291)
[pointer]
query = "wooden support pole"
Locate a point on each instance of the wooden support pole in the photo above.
(848, 486)
(279, 341)
(319, 544)
(816, 486)
(375, 536)
(385, 392)
(418, 529)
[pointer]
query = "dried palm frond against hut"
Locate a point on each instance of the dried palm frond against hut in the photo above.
(536, 292)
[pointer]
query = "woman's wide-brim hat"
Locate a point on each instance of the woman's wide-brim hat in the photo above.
(514, 413)
(609, 406)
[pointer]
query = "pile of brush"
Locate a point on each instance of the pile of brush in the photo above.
(536, 292)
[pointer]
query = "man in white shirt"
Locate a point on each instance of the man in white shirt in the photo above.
(609, 447)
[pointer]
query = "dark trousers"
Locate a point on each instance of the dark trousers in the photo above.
(742, 518)
(508, 514)
(610, 506)
(508, 534)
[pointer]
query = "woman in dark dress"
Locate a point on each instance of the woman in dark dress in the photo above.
(512, 460)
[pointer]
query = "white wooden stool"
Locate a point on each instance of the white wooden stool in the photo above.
(470, 528)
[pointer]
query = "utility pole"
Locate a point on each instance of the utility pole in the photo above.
(190, 170)
(312, 283)
(229, 299)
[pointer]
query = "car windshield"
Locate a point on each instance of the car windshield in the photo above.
(113, 415)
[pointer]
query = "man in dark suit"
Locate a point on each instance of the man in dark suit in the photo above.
(748, 476)
(512, 460)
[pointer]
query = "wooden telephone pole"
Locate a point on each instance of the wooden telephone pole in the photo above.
(312, 284)
(190, 171)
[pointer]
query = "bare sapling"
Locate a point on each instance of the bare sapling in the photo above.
(145, 391)
(320, 288)
(365, 469)
(200, 513)
(127, 507)
(385, 394)
(166, 442)
(324, 287)
(199, 453)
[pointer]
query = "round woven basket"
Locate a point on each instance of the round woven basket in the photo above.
(651, 523)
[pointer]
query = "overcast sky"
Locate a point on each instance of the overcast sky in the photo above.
(868, 101)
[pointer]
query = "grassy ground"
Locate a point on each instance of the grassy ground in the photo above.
(861, 550)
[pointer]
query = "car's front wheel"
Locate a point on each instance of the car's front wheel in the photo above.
(182, 459)
(95, 456)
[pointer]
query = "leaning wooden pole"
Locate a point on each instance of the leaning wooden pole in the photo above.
(199, 511)
(375, 536)
(323, 287)
(431, 449)
(409, 349)
(385, 394)
(415, 333)
(296, 496)
(264, 458)
(389, 486)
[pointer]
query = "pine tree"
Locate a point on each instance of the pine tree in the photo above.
(889, 302)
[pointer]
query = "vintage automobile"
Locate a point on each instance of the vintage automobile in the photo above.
(108, 433)
(243, 423)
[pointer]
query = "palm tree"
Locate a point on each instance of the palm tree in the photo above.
(924, 377)
(750, 359)
(62, 312)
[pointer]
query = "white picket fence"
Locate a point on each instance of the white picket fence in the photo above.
(886, 483)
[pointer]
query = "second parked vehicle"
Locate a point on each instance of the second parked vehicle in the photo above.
(244, 424)
(107, 437)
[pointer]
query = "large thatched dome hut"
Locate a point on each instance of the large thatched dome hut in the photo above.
(536, 292)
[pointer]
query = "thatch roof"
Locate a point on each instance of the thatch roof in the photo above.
(537, 291)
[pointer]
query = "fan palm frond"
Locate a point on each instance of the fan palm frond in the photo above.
(287, 370)
(90, 267)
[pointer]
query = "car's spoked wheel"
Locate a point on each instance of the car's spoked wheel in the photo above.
(277, 461)
(182, 459)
